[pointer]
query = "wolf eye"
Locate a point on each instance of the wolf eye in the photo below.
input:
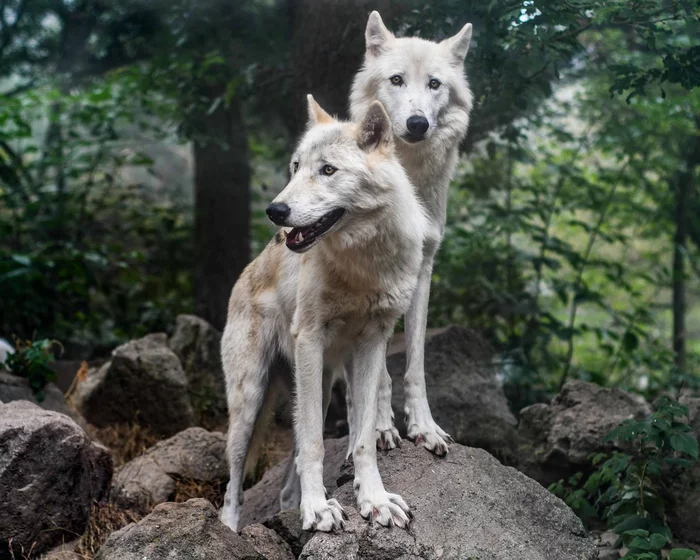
(328, 170)
(396, 80)
(434, 84)
(295, 167)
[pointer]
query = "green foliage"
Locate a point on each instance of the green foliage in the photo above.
(31, 360)
(625, 489)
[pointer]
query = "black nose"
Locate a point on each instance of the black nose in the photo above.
(278, 212)
(417, 125)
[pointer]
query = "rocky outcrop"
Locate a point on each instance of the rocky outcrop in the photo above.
(14, 388)
(198, 345)
(194, 455)
(267, 543)
(466, 398)
(187, 530)
(50, 475)
(557, 439)
(143, 382)
(262, 501)
(466, 505)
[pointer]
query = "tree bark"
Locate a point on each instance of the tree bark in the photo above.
(222, 209)
(683, 190)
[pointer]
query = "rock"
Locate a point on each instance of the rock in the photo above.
(65, 551)
(287, 524)
(262, 501)
(557, 439)
(187, 530)
(194, 455)
(684, 512)
(198, 345)
(466, 505)
(464, 393)
(50, 475)
(143, 383)
(266, 542)
(15, 388)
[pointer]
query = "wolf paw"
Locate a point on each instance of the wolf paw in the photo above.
(430, 435)
(385, 508)
(327, 515)
(388, 438)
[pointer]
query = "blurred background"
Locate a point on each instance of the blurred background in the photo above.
(141, 140)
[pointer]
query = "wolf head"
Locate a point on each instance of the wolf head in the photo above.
(335, 175)
(421, 83)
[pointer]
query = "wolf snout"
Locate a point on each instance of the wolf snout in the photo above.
(278, 212)
(417, 125)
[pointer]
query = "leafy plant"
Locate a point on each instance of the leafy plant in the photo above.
(31, 360)
(626, 488)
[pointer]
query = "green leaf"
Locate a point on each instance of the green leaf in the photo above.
(681, 554)
(657, 541)
(637, 533)
(685, 443)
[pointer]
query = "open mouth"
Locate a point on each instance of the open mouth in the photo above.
(301, 238)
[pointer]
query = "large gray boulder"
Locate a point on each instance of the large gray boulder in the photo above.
(262, 501)
(15, 388)
(466, 505)
(189, 530)
(557, 439)
(143, 382)
(198, 345)
(266, 542)
(50, 475)
(194, 455)
(465, 395)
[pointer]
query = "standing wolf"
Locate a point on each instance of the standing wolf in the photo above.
(423, 86)
(351, 206)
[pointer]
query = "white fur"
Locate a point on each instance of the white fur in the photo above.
(430, 165)
(5, 350)
(334, 305)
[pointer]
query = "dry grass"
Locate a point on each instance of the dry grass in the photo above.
(186, 489)
(125, 441)
(105, 518)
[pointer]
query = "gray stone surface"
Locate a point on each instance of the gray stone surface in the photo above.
(143, 382)
(14, 388)
(197, 344)
(556, 439)
(262, 501)
(194, 454)
(266, 542)
(190, 530)
(466, 505)
(50, 474)
(465, 396)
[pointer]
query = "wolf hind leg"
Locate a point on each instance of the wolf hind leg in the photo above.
(246, 361)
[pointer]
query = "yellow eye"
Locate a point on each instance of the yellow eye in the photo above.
(328, 170)
(396, 80)
(295, 167)
(434, 84)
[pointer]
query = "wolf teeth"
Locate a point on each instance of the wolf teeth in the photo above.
(299, 238)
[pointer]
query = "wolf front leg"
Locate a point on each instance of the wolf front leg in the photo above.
(364, 375)
(317, 513)
(420, 425)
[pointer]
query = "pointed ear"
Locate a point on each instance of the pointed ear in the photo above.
(376, 34)
(375, 128)
(459, 44)
(316, 114)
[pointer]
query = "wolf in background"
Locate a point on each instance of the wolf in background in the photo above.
(351, 206)
(424, 88)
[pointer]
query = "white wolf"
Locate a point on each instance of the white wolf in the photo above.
(5, 350)
(350, 204)
(423, 86)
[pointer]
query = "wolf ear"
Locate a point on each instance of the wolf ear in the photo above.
(376, 34)
(375, 129)
(459, 44)
(316, 114)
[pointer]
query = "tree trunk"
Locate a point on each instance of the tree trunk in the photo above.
(683, 190)
(222, 209)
